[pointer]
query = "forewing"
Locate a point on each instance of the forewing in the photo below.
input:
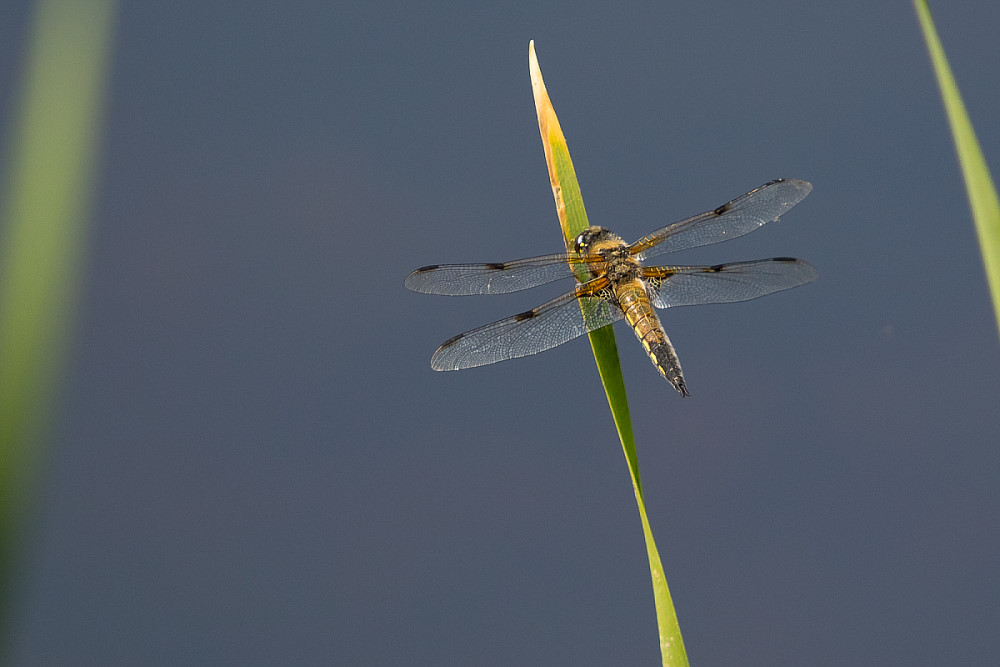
(495, 278)
(725, 283)
(740, 216)
(553, 323)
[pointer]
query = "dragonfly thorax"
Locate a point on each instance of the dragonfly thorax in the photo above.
(616, 262)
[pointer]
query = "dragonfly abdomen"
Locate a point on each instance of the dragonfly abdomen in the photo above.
(642, 318)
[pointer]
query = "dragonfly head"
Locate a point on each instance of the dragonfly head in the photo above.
(586, 239)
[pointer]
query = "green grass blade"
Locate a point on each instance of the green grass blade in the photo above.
(978, 182)
(573, 220)
(46, 194)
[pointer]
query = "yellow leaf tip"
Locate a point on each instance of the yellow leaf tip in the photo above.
(534, 70)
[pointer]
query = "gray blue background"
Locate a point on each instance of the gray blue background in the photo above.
(254, 463)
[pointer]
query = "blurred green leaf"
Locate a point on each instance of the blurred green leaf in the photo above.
(47, 191)
(978, 182)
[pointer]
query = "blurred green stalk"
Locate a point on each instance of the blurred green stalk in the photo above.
(45, 200)
(978, 182)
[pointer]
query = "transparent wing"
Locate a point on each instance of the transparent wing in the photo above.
(496, 278)
(740, 216)
(725, 283)
(553, 323)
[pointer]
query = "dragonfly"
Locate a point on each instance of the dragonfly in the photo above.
(613, 284)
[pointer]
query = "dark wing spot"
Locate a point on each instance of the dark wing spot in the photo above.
(784, 259)
(496, 266)
(716, 268)
(451, 341)
(526, 315)
(429, 267)
(722, 209)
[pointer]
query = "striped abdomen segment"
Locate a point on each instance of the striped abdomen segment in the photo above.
(642, 318)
